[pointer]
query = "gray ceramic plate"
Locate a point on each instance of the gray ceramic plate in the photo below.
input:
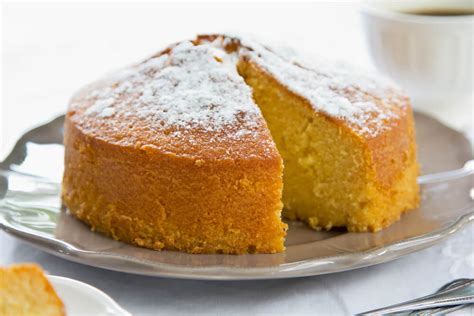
(30, 209)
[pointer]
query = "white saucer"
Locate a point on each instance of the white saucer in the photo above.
(83, 299)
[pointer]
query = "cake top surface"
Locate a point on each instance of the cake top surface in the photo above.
(189, 99)
(191, 94)
(367, 102)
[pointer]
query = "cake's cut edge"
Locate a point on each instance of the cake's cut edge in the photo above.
(335, 176)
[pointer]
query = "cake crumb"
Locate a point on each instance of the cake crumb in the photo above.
(199, 162)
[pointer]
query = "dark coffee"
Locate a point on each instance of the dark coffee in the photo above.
(442, 11)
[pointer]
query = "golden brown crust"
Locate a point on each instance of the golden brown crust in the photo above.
(162, 200)
(131, 132)
(394, 150)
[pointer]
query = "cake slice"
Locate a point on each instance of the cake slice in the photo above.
(25, 291)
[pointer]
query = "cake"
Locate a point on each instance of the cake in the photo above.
(25, 290)
(201, 146)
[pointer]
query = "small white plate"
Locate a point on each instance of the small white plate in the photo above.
(83, 299)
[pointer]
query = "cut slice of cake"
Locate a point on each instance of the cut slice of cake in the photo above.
(25, 291)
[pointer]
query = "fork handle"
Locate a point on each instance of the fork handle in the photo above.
(466, 170)
(458, 296)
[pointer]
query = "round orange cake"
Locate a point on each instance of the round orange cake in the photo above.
(200, 147)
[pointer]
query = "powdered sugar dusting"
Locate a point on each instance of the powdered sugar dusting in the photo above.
(196, 86)
(366, 102)
(193, 86)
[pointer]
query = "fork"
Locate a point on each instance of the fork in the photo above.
(454, 295)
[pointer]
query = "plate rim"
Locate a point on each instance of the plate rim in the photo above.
(380, 254)
(389, 253)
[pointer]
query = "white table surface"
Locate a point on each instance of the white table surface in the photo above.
(48, 51)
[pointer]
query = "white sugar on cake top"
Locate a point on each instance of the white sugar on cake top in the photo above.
(193, 86)
(198, 86)
(327, 87)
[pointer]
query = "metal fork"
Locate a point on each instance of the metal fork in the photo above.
(446, 309)
(452, 296)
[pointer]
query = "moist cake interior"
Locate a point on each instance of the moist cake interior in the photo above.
(328, 181)
(322, 162)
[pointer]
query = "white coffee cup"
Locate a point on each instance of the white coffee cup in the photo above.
(429, 56)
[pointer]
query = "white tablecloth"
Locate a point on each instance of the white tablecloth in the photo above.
(51, 50)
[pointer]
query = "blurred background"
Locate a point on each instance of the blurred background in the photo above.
(51, 50)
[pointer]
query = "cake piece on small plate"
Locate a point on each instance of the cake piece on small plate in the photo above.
(25, 291)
